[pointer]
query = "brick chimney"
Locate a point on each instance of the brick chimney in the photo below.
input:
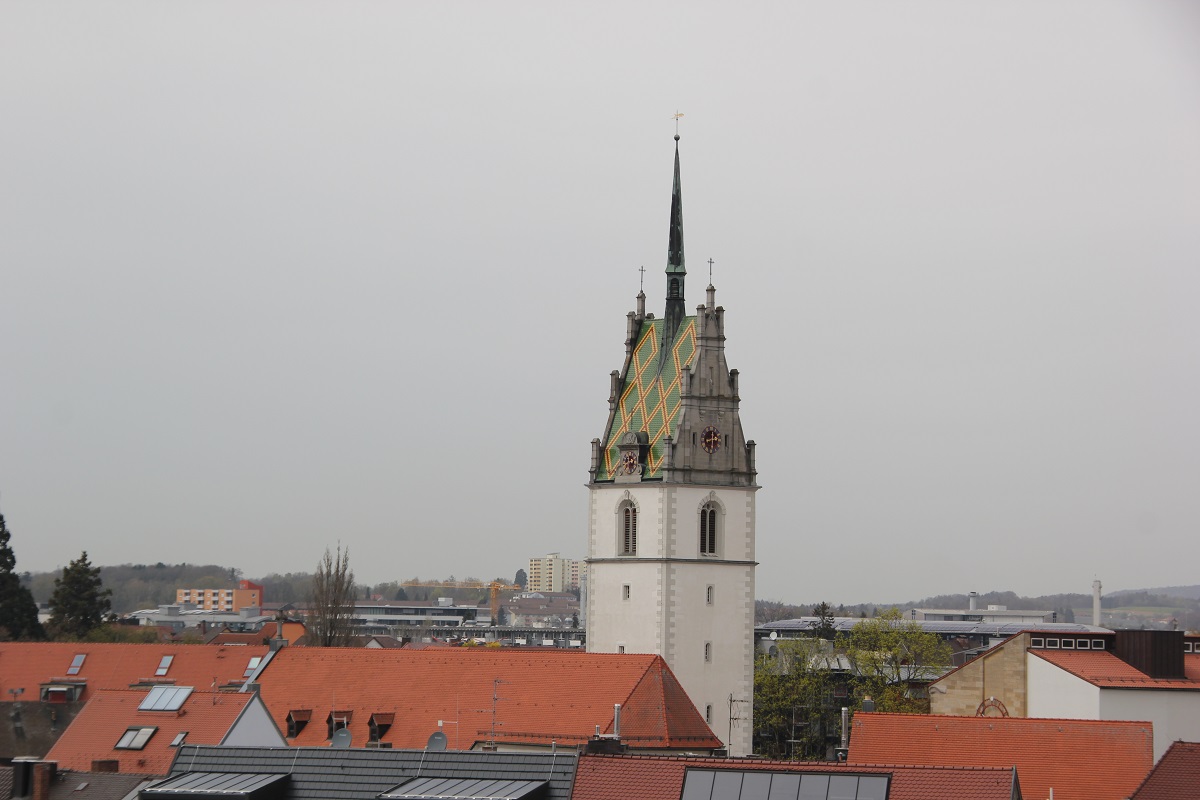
(43, 775)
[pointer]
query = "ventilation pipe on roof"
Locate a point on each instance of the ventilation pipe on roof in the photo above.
(617, 721)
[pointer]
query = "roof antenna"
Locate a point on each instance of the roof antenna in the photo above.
(642, 278)
(676, 118)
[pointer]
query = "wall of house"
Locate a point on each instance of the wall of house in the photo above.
(1055, 693)
(254, 728)
(1175, 714)
(998, 673)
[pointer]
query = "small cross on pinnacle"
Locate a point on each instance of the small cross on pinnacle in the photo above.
(710, 263)
(642, 278)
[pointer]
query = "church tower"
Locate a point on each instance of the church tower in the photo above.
(671, 516)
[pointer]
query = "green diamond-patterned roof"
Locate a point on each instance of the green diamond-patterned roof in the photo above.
(650, 395)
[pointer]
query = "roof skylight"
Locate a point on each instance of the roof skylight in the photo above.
(76, 664)
(165, 698)
(163, 666)
(135, 738)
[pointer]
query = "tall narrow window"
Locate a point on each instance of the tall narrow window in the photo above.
(628, 530)
(708, 651)
(708, 530)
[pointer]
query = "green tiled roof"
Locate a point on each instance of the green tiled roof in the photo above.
(650, 395)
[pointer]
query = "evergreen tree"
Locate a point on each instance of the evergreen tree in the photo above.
(825, 622)
(18, 611)
(80, 602)
(521, 579)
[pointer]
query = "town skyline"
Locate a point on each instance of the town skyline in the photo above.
(302, 276)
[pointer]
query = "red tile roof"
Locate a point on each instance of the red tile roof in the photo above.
(117, 666)
(1079, 759)
(1176, 776)
(206, 716)
(608, 777)
(545, 696)
(1104, 669)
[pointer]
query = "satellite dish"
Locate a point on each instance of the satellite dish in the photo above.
(341, 739)
(437, 741)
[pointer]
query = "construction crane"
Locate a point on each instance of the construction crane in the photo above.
(494, 588)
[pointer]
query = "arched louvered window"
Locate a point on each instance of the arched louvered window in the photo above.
(628, 529)
(708, 529)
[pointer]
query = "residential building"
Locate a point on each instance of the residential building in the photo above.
(1068, 759)
(671, 505)
(618, 777)
(553, 573)
(479, 697)
(1122, 675)
(542, 610)
(47, 683)
(320, 773)
(1176, 776)
(41, 780)
(247, 594)
(140, 731)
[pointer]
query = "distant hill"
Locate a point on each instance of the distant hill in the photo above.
(1186, 592)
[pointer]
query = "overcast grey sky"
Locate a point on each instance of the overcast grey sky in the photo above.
(275, 275)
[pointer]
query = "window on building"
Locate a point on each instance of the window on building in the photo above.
(620, 648)
(76, 664)
(708, 713)
(1068, 644)
(708, 594)
(625, 592)
(1037, 642)
(709, 521)
(379, 725)
(297, 718)
(708, 651)
(336, 721)
(1052, 644)
(163, 665)
(1097, 644)
(253, 665)
(135, 738)
(628, 517)
(179, 738)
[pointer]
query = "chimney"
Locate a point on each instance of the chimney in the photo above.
(23, 776)
(1096, 603)
(617, 721)
(973, 601)
(43, 776)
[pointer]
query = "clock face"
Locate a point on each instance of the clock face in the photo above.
(629, 463)
(711, 439)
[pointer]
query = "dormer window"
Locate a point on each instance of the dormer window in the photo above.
(336, 721)
(297, 718)
(379, 725)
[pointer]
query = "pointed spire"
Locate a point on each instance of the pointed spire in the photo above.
(676, 310)
(675, 263)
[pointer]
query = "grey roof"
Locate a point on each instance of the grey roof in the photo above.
(209, 783)
(94, 785)
(463, 789)
(322, 773)
(844, 624)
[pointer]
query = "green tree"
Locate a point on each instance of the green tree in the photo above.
(888, 655)
(795, 713)
(18, 611)
(331, 609)
(80, 602)
(825, 623)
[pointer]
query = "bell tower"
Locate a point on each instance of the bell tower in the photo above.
(671, 505)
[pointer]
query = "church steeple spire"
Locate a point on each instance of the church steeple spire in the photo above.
(676, 272)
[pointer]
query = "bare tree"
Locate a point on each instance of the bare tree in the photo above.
(332, 606)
